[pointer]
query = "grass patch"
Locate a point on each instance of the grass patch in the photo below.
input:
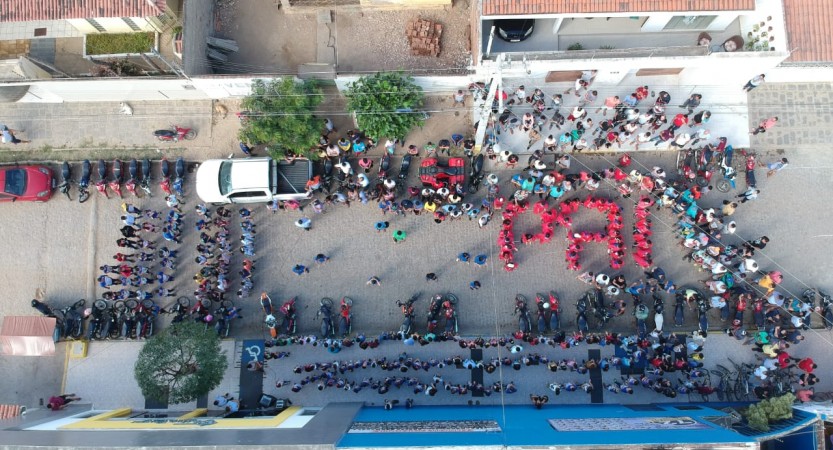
(115, 43)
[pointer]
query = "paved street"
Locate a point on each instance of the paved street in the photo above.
(58, 247)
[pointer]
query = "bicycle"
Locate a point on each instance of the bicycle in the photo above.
(725, 390)
(742, 387)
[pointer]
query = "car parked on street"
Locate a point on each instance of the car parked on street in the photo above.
(26, 183)
(253, 180)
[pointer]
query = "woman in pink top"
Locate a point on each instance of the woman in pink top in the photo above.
(765, 125)
(610, 103)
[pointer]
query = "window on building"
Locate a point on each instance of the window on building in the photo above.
(40, 32)
(689, 22)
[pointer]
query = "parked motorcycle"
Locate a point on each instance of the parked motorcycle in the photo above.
(476, 174)
(175, 134)
(180, 309)
(543, 306)
(522, 310)
(132, 172)
(659, 313)
(679, 309)
(549, 311)
(600, 311)
(101, 184)
(146, 313)
(129, 320)
(179, 169)
(327, 179)
(288, 320)
(740, 307)
(72, 320)
(84, 183)
(384, 167)
(115, 184)
(640, 312)
(144, 184)
(826, 305)
(202, 310)
(165, 183)
(224, 315)
(345, 318)
(43, 308)
(117, 313)
(434, 310)
(581, 314)
(404, 168)
(407, 308)
(98, 321)
(554, 311)
(702, 310)
(325, 312)
(66, 174)
(450, 312)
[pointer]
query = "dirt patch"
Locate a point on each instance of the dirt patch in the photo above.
(270, 41)
(376, 40)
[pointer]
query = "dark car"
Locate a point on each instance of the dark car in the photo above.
(26, 183)
(514, 30)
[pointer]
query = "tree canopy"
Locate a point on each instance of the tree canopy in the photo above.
(759, 415)
(279, 115)
(386, 104)
(181, 363)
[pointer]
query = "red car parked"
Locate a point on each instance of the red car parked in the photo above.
(26, 183)
(432, 174)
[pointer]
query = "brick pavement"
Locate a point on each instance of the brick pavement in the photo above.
(804, 115)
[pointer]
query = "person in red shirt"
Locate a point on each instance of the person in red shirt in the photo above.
(642, 93)
(61, 401)
(807, 365)
(783, 359)
(680, 120)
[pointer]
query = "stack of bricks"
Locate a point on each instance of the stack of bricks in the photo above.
(424, 37)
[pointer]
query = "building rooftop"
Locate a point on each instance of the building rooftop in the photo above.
(808, 23)
(509, 7)
(28, 10)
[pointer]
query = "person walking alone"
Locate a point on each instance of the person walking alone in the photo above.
(765, 125)
(754, 82)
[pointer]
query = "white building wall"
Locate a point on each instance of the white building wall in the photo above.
(712, 69)
(10, 31)
(110, 25)
(108, 90)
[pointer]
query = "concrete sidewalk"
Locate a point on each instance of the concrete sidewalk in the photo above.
(112, 365)
(728, 107)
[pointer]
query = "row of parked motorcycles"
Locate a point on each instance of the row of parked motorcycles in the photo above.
(132, 318)
(592, 304)
(442, 307)
(138, 178)
(284, 320)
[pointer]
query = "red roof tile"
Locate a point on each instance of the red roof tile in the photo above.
(808, 30)
(509, 7)
(26, 10)
(9, 411)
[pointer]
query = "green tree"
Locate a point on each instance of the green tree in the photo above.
(181, 363)
(280, 116)
(375, 100)
(760, 414)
